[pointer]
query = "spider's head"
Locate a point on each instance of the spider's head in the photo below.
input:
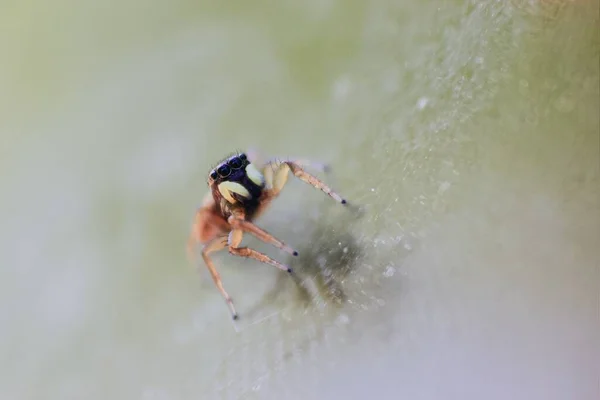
(236, 180)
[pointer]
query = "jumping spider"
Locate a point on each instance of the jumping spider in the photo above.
(239, 193)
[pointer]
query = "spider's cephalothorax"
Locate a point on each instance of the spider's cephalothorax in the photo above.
(239, 192)
(236, 182)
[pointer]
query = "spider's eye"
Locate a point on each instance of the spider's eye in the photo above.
(213, 175)
(224, 171)
(243, 157)
(235, 163)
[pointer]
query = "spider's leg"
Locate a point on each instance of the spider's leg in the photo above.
(276, 175)
(215, 245)
(234, 240)
(238, 222)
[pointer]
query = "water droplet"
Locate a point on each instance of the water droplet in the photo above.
(389, 271)
(443, 187)
(343, 319)
(342, 87)
(422, 103)
(322, 261)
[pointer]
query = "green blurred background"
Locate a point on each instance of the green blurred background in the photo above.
(468, 131)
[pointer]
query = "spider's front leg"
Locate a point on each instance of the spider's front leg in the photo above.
(276, 175)
(238, 221)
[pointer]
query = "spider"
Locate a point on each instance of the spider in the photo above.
(238, 193)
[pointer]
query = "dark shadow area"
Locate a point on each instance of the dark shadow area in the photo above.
(325, 260)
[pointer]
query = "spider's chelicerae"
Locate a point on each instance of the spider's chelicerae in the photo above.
(239, 193)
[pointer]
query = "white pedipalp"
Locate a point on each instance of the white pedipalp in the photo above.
(255, 175)
(228, 188)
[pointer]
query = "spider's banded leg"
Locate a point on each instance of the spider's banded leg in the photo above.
(235, 238)
(276, 175)
(215, 245)
(246, 226)
(314, 181)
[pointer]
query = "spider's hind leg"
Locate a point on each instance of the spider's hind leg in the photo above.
(215, 245)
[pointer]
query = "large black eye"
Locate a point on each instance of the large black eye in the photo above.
(224, 171)
(243, 157)
(213, 175)
(235, 163)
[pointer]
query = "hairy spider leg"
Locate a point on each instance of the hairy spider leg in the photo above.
(214, 245)
(276, 175)
(237, 221)
(234, 241)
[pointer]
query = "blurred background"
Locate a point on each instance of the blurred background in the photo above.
(468, 131)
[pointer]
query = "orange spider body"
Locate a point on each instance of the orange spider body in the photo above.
(239, 193)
